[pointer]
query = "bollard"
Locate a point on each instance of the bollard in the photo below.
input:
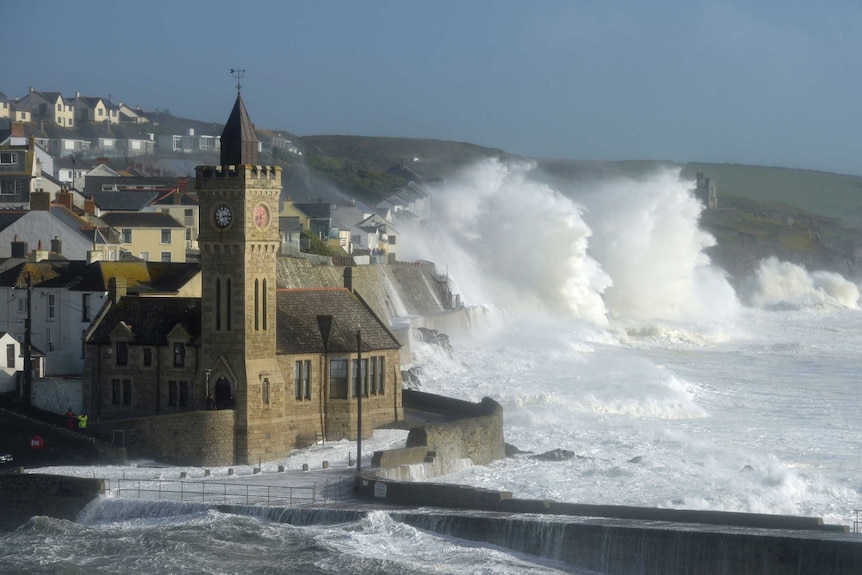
(325, 464)
(206, 472)
(305, 467)
(182, 474)
(230, 471)
(281, 468)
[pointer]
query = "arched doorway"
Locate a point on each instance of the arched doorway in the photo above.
(223, 396)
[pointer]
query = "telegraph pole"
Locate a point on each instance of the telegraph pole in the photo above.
(28, 344)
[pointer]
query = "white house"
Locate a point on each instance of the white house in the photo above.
(11, 362)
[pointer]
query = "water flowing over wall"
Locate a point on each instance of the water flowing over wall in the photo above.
(611, 546)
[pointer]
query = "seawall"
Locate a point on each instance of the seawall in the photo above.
(23, 496)
(609, 546)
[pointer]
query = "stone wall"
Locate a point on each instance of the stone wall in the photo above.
(470, 430)
(23, 496)
(192, 438)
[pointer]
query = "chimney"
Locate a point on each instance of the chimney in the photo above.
(40, 254)
(90, 207)
(348, 279)
(101, 161)
(40, 201)
(116, 288)
(57, 245)
(19, 248)
(64, 198)
(183, 184)
(17, 130)
(94, 256)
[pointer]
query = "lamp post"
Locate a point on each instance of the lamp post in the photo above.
(358, 401)
(28, 344)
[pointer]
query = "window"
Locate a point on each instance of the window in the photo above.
(265, 391)
(178, 393)
(127, 236)
(166, 256)
(122, 353)
(85, 307)
(22, 305)
(166, 236)
(381, 377)
(184, 394)
(148, 357)
(218, 304)
(302, 379)
(127, 392)
(10, 187)
(10, 355)
(100, 112)
(391, 240)
(8, 158)
(363, 377)
(179, 355)
(49, 339)
(51, 306)
(121, 392)
(188, 217)
(173, 394)
(256, 305)
(145, 256)
(338, 378)
(188, 234)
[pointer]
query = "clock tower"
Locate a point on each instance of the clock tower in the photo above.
(239, 243)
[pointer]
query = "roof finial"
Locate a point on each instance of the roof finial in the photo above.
(237, 73)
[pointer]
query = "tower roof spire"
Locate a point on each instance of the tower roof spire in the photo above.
(238, 140)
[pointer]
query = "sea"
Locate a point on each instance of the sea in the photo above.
(594, 316)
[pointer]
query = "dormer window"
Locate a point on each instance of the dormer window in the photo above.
(122, 353)
(179, 355)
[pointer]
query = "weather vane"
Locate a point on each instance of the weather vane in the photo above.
(237, 73)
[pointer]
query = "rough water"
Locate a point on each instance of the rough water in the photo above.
(601, 327)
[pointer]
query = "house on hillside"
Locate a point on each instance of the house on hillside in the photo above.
(48, 108)
(67, 295)
(69, 235)
(376, 235)
(151, 236)
(94, 109)
(20, 173)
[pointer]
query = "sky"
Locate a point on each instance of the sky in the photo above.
(770, 82)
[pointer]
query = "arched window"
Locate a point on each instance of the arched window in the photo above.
(218, 304)
(256, 305)
(227, 301)
(263, 307)
(265, 391)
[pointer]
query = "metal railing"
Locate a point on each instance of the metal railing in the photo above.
(316, 494)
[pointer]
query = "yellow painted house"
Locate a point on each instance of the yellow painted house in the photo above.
(151, 236)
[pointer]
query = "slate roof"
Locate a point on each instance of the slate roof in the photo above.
(238, 140)
(150, 319)
(320, 210)
(40, 272)
(141, 277)
(301, 331)
(168, 199)
(140, 220)
(9, 217)
(124, 200)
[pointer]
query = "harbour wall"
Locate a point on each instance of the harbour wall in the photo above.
(23, 496)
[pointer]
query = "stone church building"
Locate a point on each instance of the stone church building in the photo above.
(281, 364)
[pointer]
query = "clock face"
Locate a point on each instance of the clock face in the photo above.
(223, 216)
(261, 216)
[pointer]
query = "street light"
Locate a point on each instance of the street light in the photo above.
(358, 401)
